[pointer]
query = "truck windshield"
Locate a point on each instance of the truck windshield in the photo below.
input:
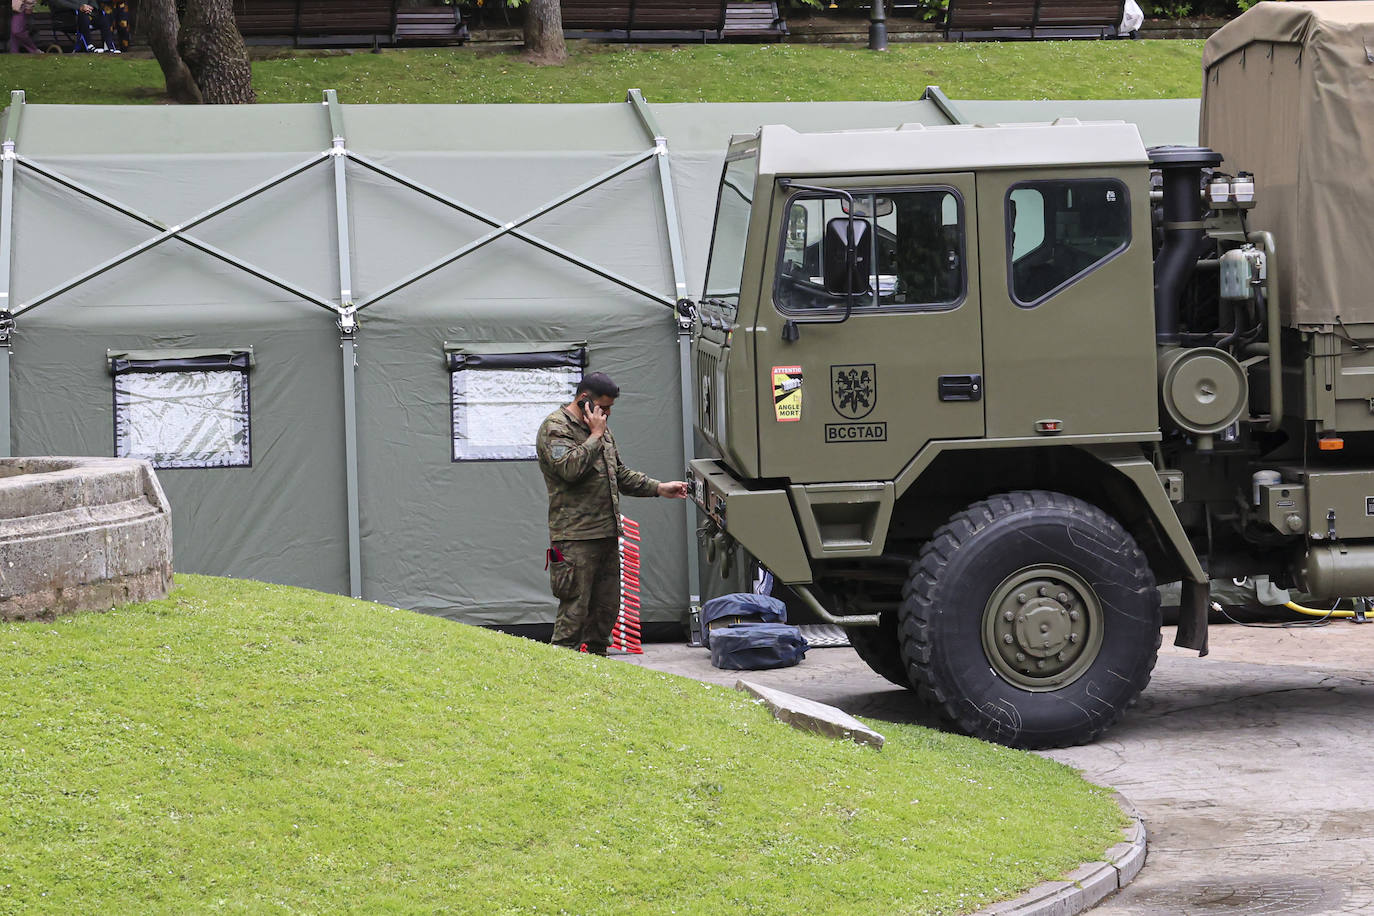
(726, 265)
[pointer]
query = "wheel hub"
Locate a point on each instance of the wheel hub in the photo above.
(1042, 627)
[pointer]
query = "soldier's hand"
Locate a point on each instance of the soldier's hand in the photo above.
(596, 420)
(673, 489)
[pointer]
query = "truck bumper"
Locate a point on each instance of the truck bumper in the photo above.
(762, 521)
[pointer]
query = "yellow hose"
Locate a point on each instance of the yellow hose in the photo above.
(1313, 612)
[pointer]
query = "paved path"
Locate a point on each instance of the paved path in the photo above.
(1253, 767)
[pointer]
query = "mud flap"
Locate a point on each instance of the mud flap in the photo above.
(1192, 616)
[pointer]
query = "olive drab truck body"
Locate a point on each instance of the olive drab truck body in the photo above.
(973, 392)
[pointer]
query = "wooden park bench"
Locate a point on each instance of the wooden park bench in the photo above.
(645, 19)
(430, 25)
(753, 19)
(1019, 19)
(41, 29)
(320, 23)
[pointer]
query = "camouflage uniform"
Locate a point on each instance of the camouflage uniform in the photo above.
(585, 479)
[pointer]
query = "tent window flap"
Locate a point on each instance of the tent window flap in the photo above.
(183, 410)
(499, 399)
(567, 358)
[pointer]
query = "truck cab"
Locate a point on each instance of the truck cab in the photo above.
(899, 323)
(974, 392)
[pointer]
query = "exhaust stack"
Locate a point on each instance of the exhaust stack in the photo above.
(1181, 167)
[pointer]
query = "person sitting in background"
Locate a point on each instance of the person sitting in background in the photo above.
(117, 15)
(19, 28)
(84, 14)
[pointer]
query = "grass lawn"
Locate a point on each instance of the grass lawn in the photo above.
(244, 747)
(689, 73)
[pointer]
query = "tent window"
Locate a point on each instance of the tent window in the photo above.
(183, 411)
(499, 400)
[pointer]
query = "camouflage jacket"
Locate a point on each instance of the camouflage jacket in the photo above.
(585, 479)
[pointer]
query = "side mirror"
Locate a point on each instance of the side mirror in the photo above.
(847, 239)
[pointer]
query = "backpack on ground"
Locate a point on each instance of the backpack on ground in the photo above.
(744, 607)
(756, 646)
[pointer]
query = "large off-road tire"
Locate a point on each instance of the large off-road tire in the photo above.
(881, 648)
(1031, 619)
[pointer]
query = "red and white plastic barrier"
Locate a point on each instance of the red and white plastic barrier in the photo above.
(625, 634)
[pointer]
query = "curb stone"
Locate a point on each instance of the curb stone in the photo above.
(1089, 884)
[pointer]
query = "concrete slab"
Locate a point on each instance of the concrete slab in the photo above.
(810, 716)
(1248, 766)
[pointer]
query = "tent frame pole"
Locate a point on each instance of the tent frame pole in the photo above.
(510, 228)
(348, 343)
(6, 239)
(683, 322)
(170, 232)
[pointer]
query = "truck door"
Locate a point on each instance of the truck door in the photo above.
(856, 398)
(1068, 320)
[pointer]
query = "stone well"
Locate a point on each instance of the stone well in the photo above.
(81, 534)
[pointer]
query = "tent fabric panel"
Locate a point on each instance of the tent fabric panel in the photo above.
(288, 231)
(282, 520)
(466, 540)
(617, 225)
(571, 128)
(696, 179)
(119, 130)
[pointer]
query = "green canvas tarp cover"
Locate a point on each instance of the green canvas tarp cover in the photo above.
(1288, 94)
(246, 304)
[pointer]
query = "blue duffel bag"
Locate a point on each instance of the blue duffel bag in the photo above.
(744, 607)
(755, 646)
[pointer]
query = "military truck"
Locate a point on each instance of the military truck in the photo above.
(973, 392)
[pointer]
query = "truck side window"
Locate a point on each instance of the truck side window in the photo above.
(1060, 230)
(917, 253)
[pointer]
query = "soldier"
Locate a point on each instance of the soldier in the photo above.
(585, 477)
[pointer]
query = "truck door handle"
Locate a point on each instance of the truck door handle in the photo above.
(961, 387)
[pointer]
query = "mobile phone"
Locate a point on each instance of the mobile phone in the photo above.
(587, 406)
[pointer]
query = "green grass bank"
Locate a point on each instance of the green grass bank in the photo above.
(688, 73)
(242, 747)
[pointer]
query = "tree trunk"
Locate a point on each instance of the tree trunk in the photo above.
(544, 32)
(158, 20)
(213, 49)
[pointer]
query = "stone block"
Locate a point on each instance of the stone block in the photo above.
(81, 534)
(811, 716)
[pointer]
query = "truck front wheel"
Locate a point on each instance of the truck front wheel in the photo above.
(1031, 619)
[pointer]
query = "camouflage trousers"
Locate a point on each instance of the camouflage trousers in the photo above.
(588, 616)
